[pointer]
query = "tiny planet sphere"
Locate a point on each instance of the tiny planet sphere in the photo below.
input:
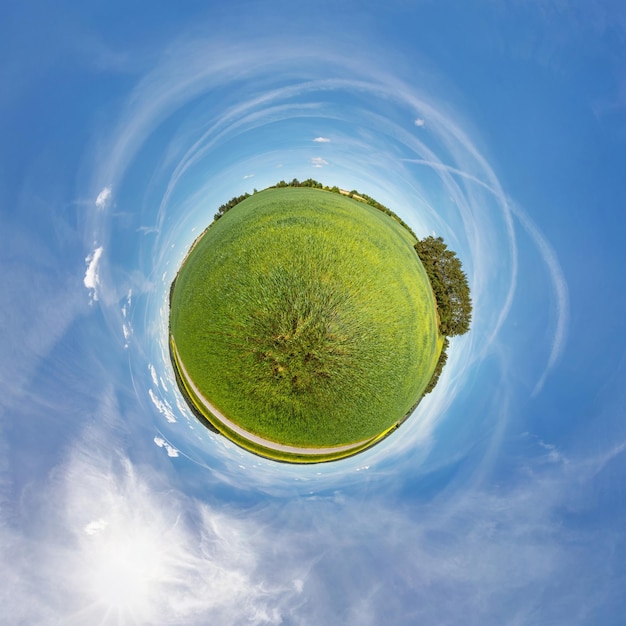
(303, 325)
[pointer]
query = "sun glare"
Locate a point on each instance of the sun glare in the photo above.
(127, 569)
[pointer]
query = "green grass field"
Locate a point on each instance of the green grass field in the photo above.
(306, 318)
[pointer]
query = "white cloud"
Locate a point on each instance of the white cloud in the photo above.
(104, 198)
(162, 406)
(319, 162)
(182, 407)
(96, 526)
(127, 304)
(92, 275)
(248, 176)
(153, 373)
(322, 140)
(419, 122)
(171, 450)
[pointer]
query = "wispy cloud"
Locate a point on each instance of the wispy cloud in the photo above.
(319, 162)
(248, 176)
(146, 230)
(561, 292)
(553, 454)
(322, 140)
(121, 551)
(458, 548)
(104, 198)
(420, 122)
(92, 274)
(116, 543)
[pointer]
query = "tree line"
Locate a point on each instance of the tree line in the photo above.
(315, 184)
(229, 205)
(361, 197)
(452, 294)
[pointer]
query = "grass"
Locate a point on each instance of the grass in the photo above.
(212, 422)
(306, 318)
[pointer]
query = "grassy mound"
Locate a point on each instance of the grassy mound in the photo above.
(306, 318)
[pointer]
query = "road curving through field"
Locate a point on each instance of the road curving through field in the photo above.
(266, 443)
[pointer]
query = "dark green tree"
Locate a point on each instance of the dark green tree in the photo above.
(229, 205)
(449, 284)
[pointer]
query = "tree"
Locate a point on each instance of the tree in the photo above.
(449, 284)
(229, 205)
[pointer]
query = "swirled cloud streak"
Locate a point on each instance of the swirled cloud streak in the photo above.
(500, 501)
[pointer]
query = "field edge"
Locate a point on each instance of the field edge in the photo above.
(216, 425)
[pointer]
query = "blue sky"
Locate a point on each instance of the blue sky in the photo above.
(499, 125)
